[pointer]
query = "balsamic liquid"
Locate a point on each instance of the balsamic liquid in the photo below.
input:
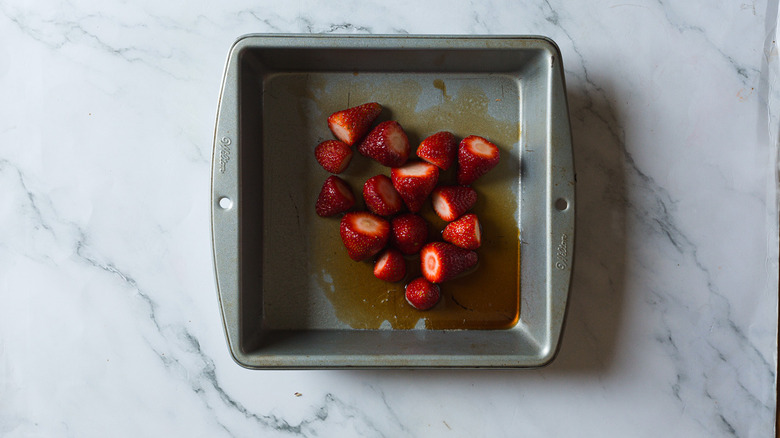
(488, 297)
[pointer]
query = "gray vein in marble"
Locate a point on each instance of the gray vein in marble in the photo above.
(345, 27)
(391, 411)
(745, 72)
(268, 22)
(72, 32)
(40, 223)
(204, 381)
(657, 215)
(340, 27)
(722, 421)
(480, 26)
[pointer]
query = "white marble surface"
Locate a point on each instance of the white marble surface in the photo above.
(109, 324)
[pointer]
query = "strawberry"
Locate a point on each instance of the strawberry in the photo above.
(381, 197)
(449, 202)
(422, 294)
(350, 125)
(476, 156)
(414, 182)
(335, 197)
(333, 155)
(439, 149)
(387, 144)
(409, 233)
(391, 266)
(465, 232)
(364, 234)
(442, 261)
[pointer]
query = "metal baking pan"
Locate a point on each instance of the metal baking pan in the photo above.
(290, 297)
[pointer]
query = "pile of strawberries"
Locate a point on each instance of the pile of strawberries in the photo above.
(385, 230)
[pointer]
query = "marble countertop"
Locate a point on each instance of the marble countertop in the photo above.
(110, 325)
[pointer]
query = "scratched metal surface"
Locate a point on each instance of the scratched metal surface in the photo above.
(276, 299)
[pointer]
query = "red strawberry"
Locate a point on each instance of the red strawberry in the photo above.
(381, 197)
(350, 125)
(335, 197)
(442, 261)
(414, 182)
(465, 232)
(422, 294)
(387, 144)
(333, 155)
(476, 156)
(439, 149)
(450, 202)
(391, 266)
(364, 234)
(409, 233)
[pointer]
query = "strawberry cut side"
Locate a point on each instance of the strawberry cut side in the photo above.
(387, 144)
(390, 266)
(414, 182)
(450, 202)
(364, 234)
(442, 261)
(351, 124)
(381, 197)
(335, 197)
(476, 157)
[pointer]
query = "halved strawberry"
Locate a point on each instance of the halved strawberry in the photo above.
(409, 233)
(414, 182)
(351, 124)
(439, 149)
(335, 197)
(364, 234)
(381, 197)
(442, 261)
(391, 266)
(387, 144)
(465, 232)
(476, 156)
(333, 155)
(449, 202)
(422, 294)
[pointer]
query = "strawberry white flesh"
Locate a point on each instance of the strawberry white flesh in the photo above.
(442, 207)
(440, 261)
(415, 170)
(381, 197)
(476, 157)
(450, 202)
(335, 197)
(391, 266)
(482, 148)
(387, 143)
(398, 142)
(340, 132)
(415, 181)
(364, 234)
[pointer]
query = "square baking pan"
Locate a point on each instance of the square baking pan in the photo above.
(289, 295)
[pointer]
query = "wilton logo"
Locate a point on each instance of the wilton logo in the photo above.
(224, 154)
(561, 252)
